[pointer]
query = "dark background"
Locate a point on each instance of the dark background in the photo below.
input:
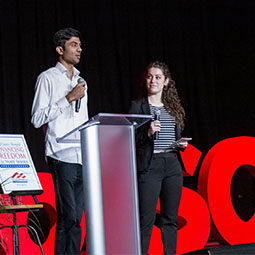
(209, 46)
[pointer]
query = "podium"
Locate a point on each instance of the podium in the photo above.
(110, 182)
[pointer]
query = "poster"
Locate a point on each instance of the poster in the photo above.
(17, 171)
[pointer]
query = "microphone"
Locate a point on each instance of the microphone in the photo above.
(156, 117)
(78, 102)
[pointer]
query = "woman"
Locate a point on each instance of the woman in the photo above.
(159, 163)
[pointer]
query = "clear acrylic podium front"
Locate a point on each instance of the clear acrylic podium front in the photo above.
(110, 182)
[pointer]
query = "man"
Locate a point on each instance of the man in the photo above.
(56, 93)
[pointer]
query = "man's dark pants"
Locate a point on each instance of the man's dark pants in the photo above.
(68, 186)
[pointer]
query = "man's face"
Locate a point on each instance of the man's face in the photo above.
(72, 52)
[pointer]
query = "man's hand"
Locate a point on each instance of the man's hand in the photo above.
(76, 93)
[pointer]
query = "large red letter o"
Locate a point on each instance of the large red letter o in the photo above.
(214, 185)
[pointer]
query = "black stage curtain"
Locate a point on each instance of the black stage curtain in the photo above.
(209, 46)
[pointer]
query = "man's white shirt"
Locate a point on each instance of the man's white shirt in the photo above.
(57, 116)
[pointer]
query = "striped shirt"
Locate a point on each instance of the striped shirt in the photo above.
(166, 135)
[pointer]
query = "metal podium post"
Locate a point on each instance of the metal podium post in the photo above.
(93, 190)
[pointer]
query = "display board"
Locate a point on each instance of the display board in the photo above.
(17, 171)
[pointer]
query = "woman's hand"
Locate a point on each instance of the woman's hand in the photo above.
(154, 127)
(182, 144)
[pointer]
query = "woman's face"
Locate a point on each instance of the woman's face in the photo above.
(155, 81)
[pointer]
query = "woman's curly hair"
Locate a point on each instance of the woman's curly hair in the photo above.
(170, 97)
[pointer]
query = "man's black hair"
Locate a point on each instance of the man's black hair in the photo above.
(64, 35)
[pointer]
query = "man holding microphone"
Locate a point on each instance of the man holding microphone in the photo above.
(60, 105)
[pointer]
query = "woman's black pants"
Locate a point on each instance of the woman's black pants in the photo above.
(163, 180)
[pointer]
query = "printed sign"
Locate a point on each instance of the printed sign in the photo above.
(17, 171)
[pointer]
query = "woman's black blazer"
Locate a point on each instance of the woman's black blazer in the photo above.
(145, 144)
